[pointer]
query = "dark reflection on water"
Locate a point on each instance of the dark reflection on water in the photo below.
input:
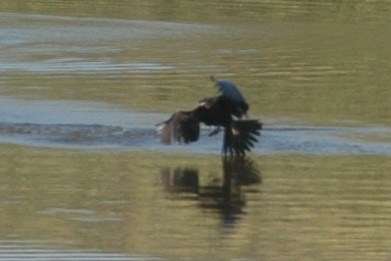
(226, 197)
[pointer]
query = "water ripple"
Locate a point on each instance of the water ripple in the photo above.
(80, 66)
(279, 139)
(35, 250)
(91, 125)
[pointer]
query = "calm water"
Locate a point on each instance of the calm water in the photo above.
(82, 85)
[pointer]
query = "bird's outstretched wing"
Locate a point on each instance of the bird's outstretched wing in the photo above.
(181, 126)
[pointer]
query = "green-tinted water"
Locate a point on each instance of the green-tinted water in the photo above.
(285, 207)
(290, 207)
(81, 76)
(322, 62)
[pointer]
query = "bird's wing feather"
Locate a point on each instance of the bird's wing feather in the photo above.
(187, 127)
(245, 133)
(182, 126)
(164, 130)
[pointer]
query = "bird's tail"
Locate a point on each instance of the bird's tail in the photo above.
(241, 136)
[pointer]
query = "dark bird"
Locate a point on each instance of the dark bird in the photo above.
(224, 110)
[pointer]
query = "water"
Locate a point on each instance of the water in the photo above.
(83, 83)
(88, 125)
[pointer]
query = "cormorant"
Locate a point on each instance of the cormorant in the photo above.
(224, 110)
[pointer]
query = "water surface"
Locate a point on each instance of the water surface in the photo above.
(94, 126)
(179, 206)
(83, 83)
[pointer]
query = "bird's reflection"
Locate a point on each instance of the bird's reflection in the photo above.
(180, 180)
(223, 195)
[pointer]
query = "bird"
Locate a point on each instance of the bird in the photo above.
(225, 110)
